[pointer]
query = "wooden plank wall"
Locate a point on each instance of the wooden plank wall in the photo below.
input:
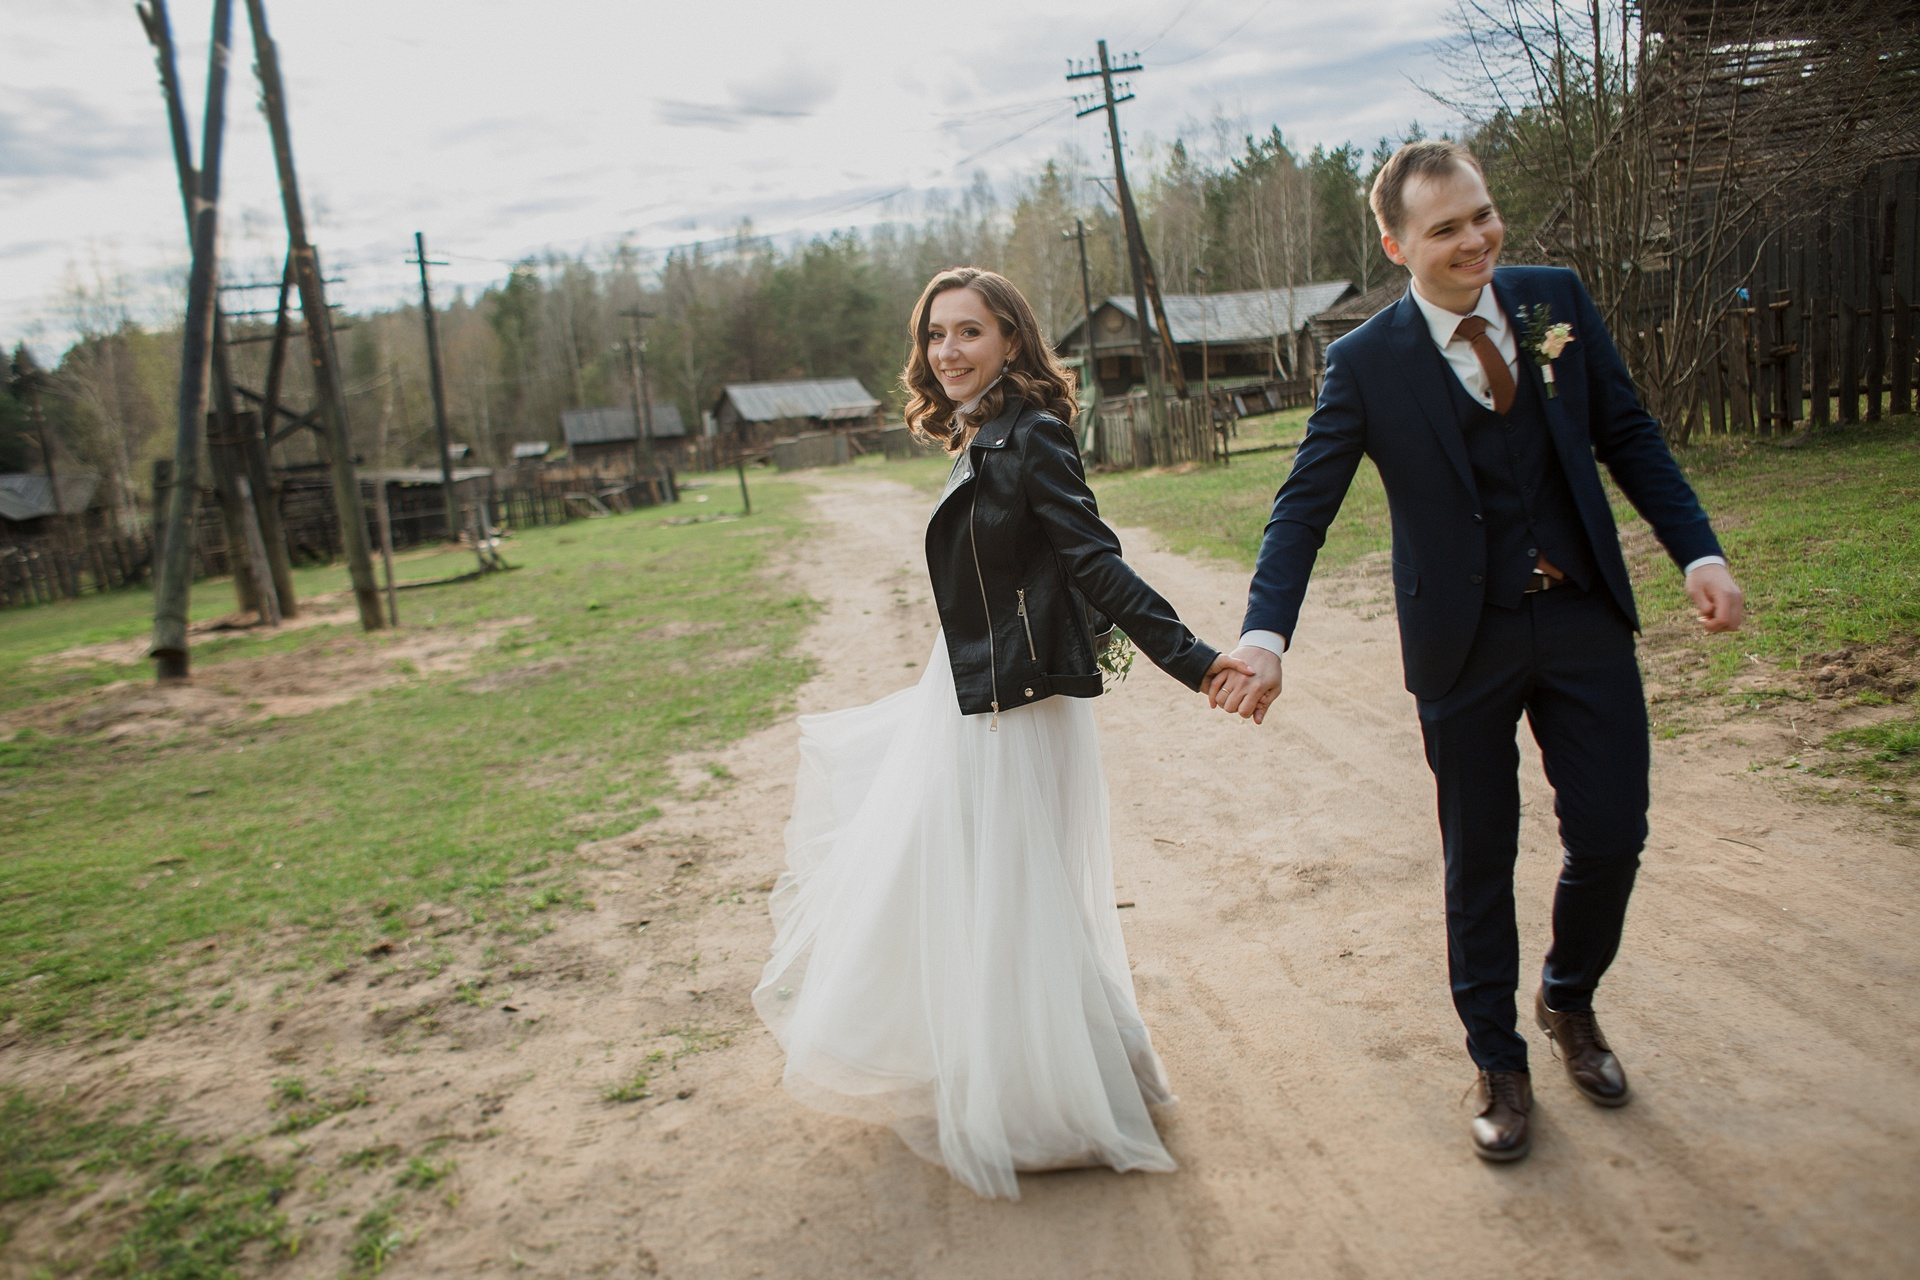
(1822, 328)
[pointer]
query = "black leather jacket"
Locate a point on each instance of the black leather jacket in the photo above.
(1017, 553)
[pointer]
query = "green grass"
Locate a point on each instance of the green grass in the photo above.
(1888, 751)
(1221, 511)
(305, 842)
(1824, 538)
(187, 1218)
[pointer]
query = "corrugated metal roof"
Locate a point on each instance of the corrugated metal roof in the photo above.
(530, 449)
(24, 496)
(829, 398)
(616, 424)
(1252, 316)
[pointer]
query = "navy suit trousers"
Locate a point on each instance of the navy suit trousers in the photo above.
(1565, 658)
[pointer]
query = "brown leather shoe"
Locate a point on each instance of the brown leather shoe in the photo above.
(1500, 1130)
(1580, 1045)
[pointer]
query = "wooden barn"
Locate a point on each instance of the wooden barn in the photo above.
(752, 415)
(1258, 334)
(609, 435)
(27, 508)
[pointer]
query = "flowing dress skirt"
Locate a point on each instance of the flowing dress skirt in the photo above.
(947, 957)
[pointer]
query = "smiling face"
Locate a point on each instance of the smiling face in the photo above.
(965, 347)
(1450, 239)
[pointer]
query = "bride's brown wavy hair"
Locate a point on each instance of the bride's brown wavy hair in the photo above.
(1035, 374)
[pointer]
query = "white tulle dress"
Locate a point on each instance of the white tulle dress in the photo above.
(947, 957)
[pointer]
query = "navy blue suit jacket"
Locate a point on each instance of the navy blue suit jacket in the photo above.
(1386, 396)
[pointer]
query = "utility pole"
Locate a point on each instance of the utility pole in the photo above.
(439, 389)
(1079, 236)
(328, 387)
(1144, 281)
(643, 461)
(175, 578)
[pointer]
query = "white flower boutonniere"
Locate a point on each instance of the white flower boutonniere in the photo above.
(1546, 339)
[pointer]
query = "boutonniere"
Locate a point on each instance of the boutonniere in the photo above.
(1546, 340)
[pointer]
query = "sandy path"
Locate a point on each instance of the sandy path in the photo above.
(1289, 958)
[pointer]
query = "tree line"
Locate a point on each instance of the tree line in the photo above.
(554, 333)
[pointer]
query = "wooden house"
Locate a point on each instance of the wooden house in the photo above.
(751, 415)
(27, 508)
(1338, 321)
(609, 435)
(1261, 334)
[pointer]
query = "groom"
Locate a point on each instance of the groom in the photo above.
(1485, 397)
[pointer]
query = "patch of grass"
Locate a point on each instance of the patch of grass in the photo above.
(1885, 752)
(420, 796)
(301, 1108)
(1221, 511)
(371, 1157)
(190, 1219)
(376, 1238)
(422, 1174)
(628, 1090)
(1824, 538)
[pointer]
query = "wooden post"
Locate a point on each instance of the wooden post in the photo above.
(1901, 293)
(441, 431)
(256, 555)
(1849, 341)
(328, 387)
(196, 366)
(386, 551)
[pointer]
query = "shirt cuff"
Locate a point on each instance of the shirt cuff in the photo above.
(1719, 560)
(1272, 641)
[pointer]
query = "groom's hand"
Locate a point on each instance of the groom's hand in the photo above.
(1250, 694)
(1717, 597)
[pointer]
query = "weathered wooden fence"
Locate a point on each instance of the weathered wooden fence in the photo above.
(56, 566)
(1125, 437)
(52, 567)
(1821, 329)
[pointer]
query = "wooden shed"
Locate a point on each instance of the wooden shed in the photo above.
(610, 434)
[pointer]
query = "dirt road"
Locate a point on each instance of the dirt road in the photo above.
(1288, 952)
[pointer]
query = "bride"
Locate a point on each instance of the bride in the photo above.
(947, 958)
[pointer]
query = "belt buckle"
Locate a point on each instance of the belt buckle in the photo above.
(1538, 583)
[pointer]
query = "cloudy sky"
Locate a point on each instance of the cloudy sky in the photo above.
(502, 129)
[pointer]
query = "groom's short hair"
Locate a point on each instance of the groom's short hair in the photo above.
(1428, 158)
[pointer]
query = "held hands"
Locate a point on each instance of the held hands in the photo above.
(1247, 683)
(1717, 597)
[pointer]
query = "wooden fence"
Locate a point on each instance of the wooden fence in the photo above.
(1124, 435)
(1821, 326)
(54, 566)
(51, 567)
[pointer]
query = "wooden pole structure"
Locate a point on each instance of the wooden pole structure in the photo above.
(1144, 282)
(229, 450)
(328, 386)
(386, 553)
(440, 428)
(175, 578)
(1079, 235)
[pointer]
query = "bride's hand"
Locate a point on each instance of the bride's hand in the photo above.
(1224, 668)
(1249, 695)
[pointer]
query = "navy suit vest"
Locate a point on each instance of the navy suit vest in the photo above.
(1524, 493)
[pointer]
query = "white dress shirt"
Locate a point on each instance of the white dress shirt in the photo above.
(1460, 357)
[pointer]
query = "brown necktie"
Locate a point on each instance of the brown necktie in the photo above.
(1499, 377)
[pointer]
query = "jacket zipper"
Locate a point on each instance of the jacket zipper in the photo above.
(1027, 622)
(993, 661)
